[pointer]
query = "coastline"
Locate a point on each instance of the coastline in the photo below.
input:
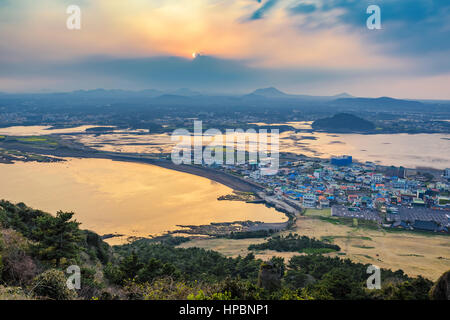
(229, 180)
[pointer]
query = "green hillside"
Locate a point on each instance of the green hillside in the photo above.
(36, 248)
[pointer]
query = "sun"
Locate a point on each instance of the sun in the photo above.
(196, 54)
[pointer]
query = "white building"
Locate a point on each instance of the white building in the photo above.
(377, 178)
(447, 173)
(309, 200)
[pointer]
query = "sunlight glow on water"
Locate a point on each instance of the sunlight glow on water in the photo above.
(127, 198)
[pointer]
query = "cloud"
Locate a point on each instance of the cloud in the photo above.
(303, 43)
(212, 74)
(203, 72)
(302, 8)
(410, 27)
(265, 8)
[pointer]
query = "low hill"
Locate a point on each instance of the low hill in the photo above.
(343, 122)
(270, 93)
(274, 93)
(379, 103)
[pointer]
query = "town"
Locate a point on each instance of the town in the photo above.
(390, 197)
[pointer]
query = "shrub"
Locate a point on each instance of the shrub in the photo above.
(269, 276)
(90, 286)
(113, 273)
(13, 293)
(295, 243)
(16, 264)
(51, 284)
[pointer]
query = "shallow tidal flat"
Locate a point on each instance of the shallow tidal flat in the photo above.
(408, 150)
(125, 198)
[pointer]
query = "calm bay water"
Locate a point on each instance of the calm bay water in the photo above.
(408, 150)
(127, 198)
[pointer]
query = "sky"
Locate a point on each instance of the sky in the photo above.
(320, 47)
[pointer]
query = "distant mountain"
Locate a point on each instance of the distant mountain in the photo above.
(274, 93)
(115, 93)
(381, 102)
(261, 98)
(147, 93)
(433, 101)
(185, 92)
(270, 92)
(151, 92)
(343, 122)
(172, 98)
(342, 95)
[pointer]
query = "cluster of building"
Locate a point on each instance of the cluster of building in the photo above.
(394, 198)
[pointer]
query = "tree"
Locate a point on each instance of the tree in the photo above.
(156, 269)
(295, 279)
(340, 283)
(130, 266)
(270, 275)
(57, 237)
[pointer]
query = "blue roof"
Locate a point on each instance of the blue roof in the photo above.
(425, 225)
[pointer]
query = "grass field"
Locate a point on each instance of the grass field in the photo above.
(414, 253)
(38, 140)
(32, 139)
(318, 213)
(234, 248)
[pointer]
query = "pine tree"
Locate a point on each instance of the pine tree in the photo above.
(57, 237)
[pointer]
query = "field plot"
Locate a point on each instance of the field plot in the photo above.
(423, 254)
(415, 253)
